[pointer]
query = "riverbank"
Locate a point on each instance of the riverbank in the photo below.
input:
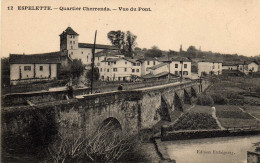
(217, 150)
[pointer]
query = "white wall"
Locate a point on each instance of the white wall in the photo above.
(253, 66)
(26, 74)
(186, 70)
(209, 67)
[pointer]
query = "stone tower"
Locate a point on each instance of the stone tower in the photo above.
(68, 40)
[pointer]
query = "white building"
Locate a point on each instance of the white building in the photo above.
(36, 67)
(119, 69)
(76, 50)
(246, 68)
(147, 63)
(230, 67)
(209, 68)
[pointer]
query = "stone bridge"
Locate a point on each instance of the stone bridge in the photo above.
(131, 110)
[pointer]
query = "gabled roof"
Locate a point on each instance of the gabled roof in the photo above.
(52, 57)
(255, 62)
(158, 66)
(149, 76)
(69, 31)
(165, 59)
(132, 60)
(111, 59)
(107, 53)
(98, 46)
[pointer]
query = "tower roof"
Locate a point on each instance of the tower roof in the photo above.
(69, 31)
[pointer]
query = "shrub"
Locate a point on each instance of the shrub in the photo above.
(104, 145)
(205, 100)
(219, 99)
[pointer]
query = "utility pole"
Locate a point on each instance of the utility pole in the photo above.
(169, 75)
(181, 67)
(93, 62)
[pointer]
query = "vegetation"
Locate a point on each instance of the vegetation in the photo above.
(205, 100)
(96, 74)
(195, 121)
(126, 42)
(232, 116)
(105, 145)
(154, 52)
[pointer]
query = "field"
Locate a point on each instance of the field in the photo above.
(195, 121)
(237, 90)
(232, 116)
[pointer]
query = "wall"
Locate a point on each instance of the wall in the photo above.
(135, 110)
(180, 68)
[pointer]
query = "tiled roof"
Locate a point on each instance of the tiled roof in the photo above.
(53, 57)
(132, 60)
(111, 59)
(165, 59)
(107, 53)
(69, 31)
(158, 66)
(98, 46)
(149, 76)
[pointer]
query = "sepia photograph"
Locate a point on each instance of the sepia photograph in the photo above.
(160, 81)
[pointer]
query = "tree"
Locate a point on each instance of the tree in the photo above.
(5, 70)
(154, 52)
(130, 43)
(117, 38)
(77, 68)
(124, 41)
(96, 74)
(192, 51)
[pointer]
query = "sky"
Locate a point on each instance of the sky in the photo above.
(225, 26)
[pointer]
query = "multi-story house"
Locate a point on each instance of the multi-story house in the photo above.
(230, 67)
(119, 69)
(209, 68)
(147, 63)
(70, 45)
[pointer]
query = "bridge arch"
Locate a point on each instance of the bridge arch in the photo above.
(187, 97)
(110, 123)
(193, 92)
(164, 110)
(177, 102)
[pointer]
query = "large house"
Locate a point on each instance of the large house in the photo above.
(36, 67)
(69, 43)
(209, 68)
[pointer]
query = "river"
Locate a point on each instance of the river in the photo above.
(211, 150)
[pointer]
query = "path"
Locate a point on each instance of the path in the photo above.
(216, 118)
(249, 113)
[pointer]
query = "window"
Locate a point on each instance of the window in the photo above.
(138, 64)
(126, 63)
(100, 69)
(114, 62)
(137, 70)
(185, 72)
(41, 68)
(176, 72)
(108, 70)
(115, 69)
(108, 63)
(73, 42)
(133, 70)
(125, 69)
(81, 52)
(71, 47)
(98, 58)
(27, 68)
(98, 64)
(252, 68)
(213, 67)
(148, 62)
(185, 65)
(70, 42)
(71, 53)
(134, 64)
(153, 62)
(176, 65)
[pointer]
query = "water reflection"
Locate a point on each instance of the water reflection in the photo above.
(213, 150)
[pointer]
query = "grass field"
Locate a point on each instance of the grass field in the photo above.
(232, 116)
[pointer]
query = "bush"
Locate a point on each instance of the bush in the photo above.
(205, 100)
(219, 99)
(104, 145)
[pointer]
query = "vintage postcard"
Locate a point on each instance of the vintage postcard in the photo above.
(130, 81)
